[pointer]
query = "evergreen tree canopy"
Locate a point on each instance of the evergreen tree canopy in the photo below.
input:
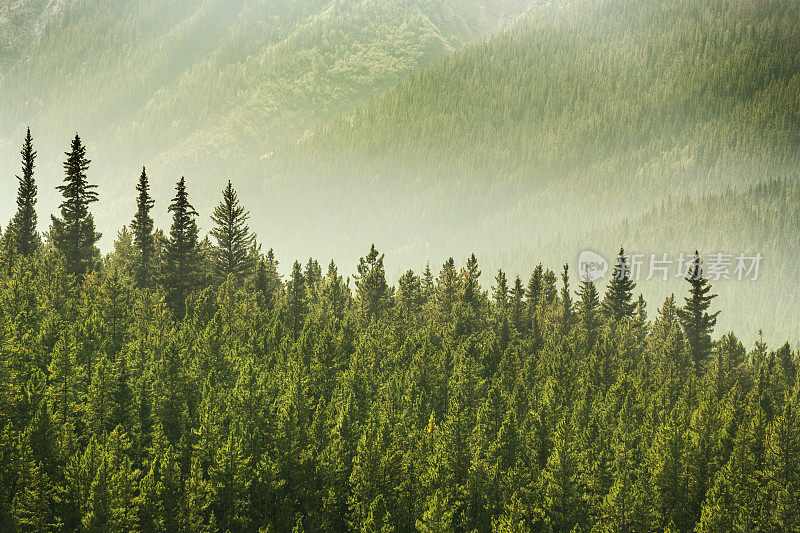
(618, 301)
(233, 236)
(142, 228)
(695, 320)
(73, 234)
(181, 267)
(373, 294)
(24, 238)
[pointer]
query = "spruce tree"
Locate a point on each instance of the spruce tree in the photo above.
(517, 305)
(142, 228)
(313, 272)
(428, 286)
(233, 236)
(447, 289)
(296, 305)
(373, 294)
(73, 234)
(22, 229)
(35, 503)
(534, 292)
(470, 284)
(549, 289)
(618, 303)
(182, 257)
(409, 298)
(589, 309)
(567, 313)
(268, 282)
(695, 320)
(335, 292)
(500, 293)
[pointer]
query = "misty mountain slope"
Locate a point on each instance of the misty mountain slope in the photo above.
(21, 25)
(583, 114)
(205, 88)
(762, 219)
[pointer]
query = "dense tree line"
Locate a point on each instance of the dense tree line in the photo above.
(213, 395)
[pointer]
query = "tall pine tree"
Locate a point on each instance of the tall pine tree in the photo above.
(697, 323)
(23, 237)
(589, 307)
(618, 302)
(296, 304)
(74, 233)
(142, 228)
(182, 257)
(373, 294)
(233, 236)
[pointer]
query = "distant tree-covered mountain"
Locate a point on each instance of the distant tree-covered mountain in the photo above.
(205, 88)
(583, 114)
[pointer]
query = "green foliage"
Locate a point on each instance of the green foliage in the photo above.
(142, 229)
(273, 405)
(696, 321)
(234, 240)
(21, 231)
(181, 267)
(618, 303)
(73, 234)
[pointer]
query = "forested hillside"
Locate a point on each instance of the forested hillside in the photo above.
(181, 385)
(205, 88)
(585, 113)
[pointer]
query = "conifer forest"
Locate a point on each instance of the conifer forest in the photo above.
(396, 265)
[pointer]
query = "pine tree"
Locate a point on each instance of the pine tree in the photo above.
(63, 393)
(182, 258)
(559, 488)
(335, 293)
(534, 293)
(73, 234)
(24, 238)
(34, 506)
(447, 290)
(567, 313)
(549, 289)
(517, 305)
(409, 298)
(697, 323)
(589, 310)
(428, 286)
(229, 483)
(143, 238)
(296, 304)
(373, 294)
(500, 294)
(668, 482)
(470, 286)
(233, 236)
(268, 281)
(197, 496)
(640, 317)
(783, 467)
(618, 303)
(313, 272)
